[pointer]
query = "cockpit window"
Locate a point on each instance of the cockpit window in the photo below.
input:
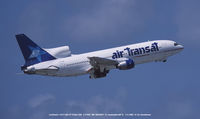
(175, 44)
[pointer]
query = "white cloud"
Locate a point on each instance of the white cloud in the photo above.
(40, 100)
(180, 110)
(42, 114)
(35, 19)
(98, 104)
(103, 20)
(108, 19)
(188, 21)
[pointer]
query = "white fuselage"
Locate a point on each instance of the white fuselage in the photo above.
(139, 53)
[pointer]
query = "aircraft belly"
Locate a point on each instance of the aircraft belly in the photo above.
(74, 70)
(149, 58)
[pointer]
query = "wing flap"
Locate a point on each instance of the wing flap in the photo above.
(97, 61)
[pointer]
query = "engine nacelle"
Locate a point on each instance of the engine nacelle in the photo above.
(125, 65)
(59, 52)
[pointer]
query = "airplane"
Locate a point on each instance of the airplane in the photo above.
(61, 63)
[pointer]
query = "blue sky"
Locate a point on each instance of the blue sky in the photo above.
(166, 90)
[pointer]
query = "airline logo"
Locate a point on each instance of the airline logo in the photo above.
(36, 53)
(137, 51)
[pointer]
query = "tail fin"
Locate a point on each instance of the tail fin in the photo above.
(32, 53)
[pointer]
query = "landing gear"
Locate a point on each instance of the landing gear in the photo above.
(98, 74)
(161, 60)
(165, 60)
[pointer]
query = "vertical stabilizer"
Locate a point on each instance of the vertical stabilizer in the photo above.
(32, 53)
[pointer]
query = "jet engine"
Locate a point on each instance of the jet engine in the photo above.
(126, 64)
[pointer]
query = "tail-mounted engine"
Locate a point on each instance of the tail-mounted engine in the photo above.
(59, 52)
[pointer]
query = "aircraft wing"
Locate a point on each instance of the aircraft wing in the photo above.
(101, 66)
(97, 61)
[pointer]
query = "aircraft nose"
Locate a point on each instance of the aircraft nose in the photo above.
(181, 47)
